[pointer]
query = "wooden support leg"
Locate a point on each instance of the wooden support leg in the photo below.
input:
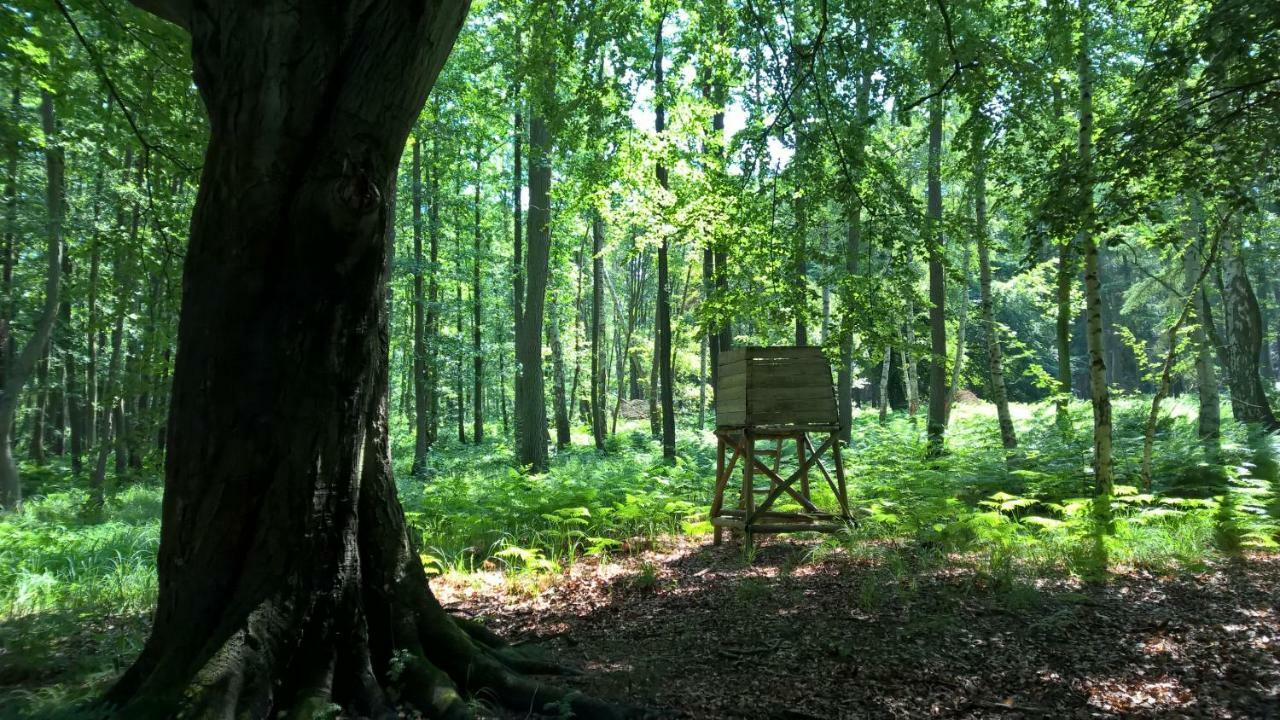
(801, 439)
(748, 492)
(717, 499)
(777, 455)
(842, 494)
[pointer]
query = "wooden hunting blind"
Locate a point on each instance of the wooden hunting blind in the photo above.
(776, 394)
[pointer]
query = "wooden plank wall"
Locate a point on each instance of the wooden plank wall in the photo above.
(775, 386)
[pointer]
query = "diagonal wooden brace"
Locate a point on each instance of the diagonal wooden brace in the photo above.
(777, 484)
(785, 485)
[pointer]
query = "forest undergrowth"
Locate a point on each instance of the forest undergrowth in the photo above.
(76, 590)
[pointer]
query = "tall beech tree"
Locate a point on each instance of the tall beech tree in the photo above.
(288, 578)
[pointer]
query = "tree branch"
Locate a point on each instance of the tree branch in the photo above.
(174, 11)
(956, 66)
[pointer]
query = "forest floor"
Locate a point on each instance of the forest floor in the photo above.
(694, 629)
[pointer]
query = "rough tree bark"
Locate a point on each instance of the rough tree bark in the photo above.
(19, 370)
(1242, 323)
(288, 577)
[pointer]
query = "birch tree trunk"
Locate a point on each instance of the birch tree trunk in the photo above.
(995, 361)
(1099, 392)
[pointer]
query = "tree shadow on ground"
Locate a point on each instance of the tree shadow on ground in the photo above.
(710, 636)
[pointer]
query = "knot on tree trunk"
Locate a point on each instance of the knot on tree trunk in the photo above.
(356, 190)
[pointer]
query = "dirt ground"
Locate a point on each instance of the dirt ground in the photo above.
(694, 630)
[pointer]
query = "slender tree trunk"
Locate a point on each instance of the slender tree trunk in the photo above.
(1166, 374)
(71, 370)
(530, 406)
(578, 321)
(663, 358)
(433, 296)
(884, 384)
(39, 399)
(558, 399)
(460, 384)
(995, 361)
(502, 394)
(10, 250)
(598, 389)
(1100, 393)
(91, 342)
(517, 240)
(800, 262)
(937, 423)
(24, 361)
(477, 352)
(1209, 417)
(910, 376)
(962, 325)
(421, 389)
(655, 409)
(110, 430)
(853, 243)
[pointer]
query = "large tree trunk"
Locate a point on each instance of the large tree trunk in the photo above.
(1242, 321)
(995, 363)
(937, 422)
(24, 361)
(288, 578)
(1099, 392)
